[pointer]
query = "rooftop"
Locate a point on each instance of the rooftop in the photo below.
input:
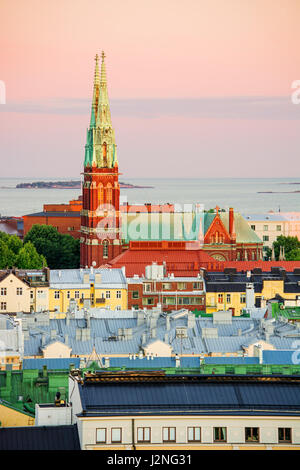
(40, 438)
(120, 333)
(159, 394)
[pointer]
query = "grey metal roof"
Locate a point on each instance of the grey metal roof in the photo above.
(63, 437)
(194, 396)
(75, 277)
(268, 217)
(121, 335)
(51, 364)
(73, 214)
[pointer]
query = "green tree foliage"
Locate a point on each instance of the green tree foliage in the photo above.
(291, 247)
(60, 251)
(13, 253)
(7, 256)
(28, 258)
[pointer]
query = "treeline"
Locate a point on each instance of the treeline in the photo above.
(22, 255)
(42, 246)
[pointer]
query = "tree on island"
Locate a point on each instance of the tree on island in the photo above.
(15, 253)
(61, 251)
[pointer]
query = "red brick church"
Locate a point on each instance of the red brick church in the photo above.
(111, 234)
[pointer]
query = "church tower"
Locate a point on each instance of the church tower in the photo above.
(100, 216)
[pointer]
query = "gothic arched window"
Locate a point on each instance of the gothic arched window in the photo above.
(109, 194)
(105, 248)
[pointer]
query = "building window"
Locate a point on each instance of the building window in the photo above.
(220, 298)
(105, 248)
(3, 306)
(266, 228)
(107, 294)
(220, 435)
(169, 434)
(265, 238)
(181, 285)
(167, 286)
(19, 290)
(284, 435)
(101, 435)
(198, 285)
(147, 287)
(56, 294)
(31, 294)
(3, 291)
(253, 227)
(68, 294)
(148, 301)
(116, 435)
(118, 307)
(228, 298)
(169, 300)
(143, 434)
(278, 228)
(135, 294)
(77, 294)
(243, 298)
(136, 307)
(119, 294)
(194, 434)
(252, 434)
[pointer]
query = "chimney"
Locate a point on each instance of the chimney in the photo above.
(231, 223)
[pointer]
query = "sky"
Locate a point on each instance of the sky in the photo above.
(197, 88)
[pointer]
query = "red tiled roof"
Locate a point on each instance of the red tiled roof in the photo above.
(180, 262)
(186, 263)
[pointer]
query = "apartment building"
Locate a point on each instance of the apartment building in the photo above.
(170, 291)
(24, 290)
(271, 225)
(153, 411)
(105, 288)
(235, 291)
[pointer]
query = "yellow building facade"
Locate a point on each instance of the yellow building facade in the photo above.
(101, 288)
(236, 300)
(12, 417)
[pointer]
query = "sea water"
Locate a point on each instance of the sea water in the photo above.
(246, 195)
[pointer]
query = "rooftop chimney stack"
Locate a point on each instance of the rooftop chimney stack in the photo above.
(231, 223)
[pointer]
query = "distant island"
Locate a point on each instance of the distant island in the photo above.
(67, 185)
(277, 192)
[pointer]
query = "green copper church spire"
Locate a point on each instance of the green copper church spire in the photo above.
(100, 149)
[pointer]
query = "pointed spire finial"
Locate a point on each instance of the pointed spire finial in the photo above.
(103, 69)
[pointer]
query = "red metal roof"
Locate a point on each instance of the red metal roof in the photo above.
(289, 266)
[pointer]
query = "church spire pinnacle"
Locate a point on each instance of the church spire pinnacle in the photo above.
(95, 92)
(103, 69)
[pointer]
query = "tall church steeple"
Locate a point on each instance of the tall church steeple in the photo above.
(100, 240)
(101, 149)
(95, 93)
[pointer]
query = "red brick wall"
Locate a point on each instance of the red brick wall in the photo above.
(63, 224)
(157, 295)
